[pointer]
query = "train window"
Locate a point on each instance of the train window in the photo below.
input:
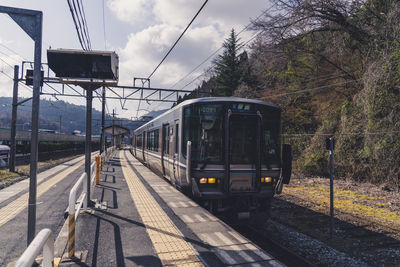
(242, 139)
(271, 128)
(176, 138)
(152, 140)
(203, 126)
(166, 132)
(156, 137)
(139, 140)
(148, 145)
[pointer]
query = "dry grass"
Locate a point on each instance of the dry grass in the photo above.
(375, 205)
(6, 174)
(25, 168)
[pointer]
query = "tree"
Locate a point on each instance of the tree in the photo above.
(228, 67)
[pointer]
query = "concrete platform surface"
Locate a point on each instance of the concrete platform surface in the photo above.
(142, 220)
(53, 188)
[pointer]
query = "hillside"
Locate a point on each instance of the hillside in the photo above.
(333, 66)
(73, 117)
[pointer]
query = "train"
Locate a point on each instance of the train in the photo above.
(225, 152)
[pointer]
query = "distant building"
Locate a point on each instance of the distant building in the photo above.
(4, 155)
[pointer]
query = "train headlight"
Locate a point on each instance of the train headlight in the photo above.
(211, 180)
(203, 180)
(266, 180)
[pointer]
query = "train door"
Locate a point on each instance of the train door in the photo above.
(134, 144)
(171, 153)
(175, 166)
(244, 153)
(165, 150)
(144, 145)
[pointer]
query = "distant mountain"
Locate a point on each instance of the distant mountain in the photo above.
(52, 113)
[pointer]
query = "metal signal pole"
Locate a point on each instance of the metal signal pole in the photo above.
(330, 145)
(113, 142)
(88, 141)
(103, 106)
(13, 149)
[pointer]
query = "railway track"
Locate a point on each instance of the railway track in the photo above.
(357, 236)
(260, 237)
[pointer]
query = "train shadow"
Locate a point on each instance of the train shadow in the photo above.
(353, 236)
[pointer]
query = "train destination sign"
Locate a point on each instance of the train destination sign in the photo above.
(242, 108)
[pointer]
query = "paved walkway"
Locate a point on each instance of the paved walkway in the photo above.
(52, 199)
(141, 220)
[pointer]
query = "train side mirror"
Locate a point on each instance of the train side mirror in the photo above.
(286, 163)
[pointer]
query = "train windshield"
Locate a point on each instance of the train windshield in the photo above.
(270, 152)
(204, 129)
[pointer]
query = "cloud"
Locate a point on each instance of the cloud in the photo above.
(145, 49)
(224, 14)
(161, 22)
(131, 11)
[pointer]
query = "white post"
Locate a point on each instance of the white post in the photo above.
(48, 252)
(43, 240)
(84, 189)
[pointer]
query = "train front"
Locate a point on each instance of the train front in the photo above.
(235, 155)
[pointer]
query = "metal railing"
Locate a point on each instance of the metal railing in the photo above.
(43, 240)
(74, 207)
(73, 212)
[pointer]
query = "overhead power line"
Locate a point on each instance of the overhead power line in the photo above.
(85, 28)
(190, 23)
(78, 16)
(104, 29)
(169, 51)
(24, 85)
(216, 51)
(310, 89)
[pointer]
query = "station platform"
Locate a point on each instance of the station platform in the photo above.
(141, 220)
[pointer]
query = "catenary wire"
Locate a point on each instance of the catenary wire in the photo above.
(169, 51)
(76, 25)
(104, 29)
(216, 51)
(85, 28)
(173, 46)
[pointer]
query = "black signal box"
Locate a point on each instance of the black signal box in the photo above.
(29, 77)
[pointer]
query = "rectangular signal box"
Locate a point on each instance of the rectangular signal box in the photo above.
(82, 64)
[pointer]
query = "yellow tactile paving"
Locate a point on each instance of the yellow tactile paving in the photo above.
(168, 242)
(12, 209)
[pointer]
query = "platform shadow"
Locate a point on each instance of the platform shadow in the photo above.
(114, 194)
(190, 240)
(147, 260)
(119, 253)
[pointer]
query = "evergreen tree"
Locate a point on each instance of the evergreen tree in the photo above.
(228, 71)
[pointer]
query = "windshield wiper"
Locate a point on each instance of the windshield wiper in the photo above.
(205, 162)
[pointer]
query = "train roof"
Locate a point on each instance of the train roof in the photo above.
(212, 99)
(4, 148)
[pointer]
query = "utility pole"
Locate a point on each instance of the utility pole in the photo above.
(103, 106)
(113, 128)
(13, 149)
(88, 141)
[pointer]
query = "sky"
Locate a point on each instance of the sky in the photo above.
(139, 31)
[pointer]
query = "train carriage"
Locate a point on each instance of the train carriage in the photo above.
(225, 151)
